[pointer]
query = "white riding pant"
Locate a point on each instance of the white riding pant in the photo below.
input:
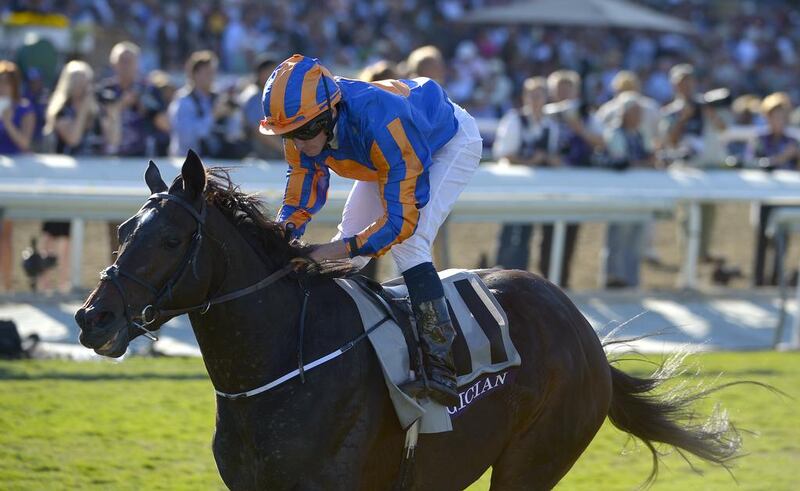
(452, 168)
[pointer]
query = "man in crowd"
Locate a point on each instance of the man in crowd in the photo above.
(427, 61)
(263, 146)
(690, 133)
(524, 137)
(196, 109)
(136, 111)
(578, 138)
(690, 129)
(136, 106)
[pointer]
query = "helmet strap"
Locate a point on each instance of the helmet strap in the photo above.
(330, 123)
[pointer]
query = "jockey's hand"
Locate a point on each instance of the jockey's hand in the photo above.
(329, 251)
(301, 263)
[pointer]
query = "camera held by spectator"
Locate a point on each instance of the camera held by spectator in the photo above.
(701, 102)
(106, 96)
(715, 98)
(230, 127)
(145, 100)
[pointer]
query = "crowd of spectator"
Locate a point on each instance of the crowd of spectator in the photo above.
(632, 130)
(563, 96)
(753, 43)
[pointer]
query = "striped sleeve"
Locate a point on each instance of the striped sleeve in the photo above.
(306, 189)
(400, 155)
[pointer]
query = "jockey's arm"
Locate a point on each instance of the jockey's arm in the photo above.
(306, 189)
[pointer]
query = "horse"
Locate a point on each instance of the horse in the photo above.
(205, 248)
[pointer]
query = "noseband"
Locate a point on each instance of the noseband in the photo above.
(152, 311)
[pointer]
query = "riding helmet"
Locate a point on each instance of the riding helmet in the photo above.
(299, 90)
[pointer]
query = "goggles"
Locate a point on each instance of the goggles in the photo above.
(310, 129)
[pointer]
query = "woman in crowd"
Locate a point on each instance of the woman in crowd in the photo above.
(74, 123)
(746, 111)
(628, 147)
(772, 149)
(73, 114)
(17, 124)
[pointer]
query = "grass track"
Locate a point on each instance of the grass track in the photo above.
(146, 424)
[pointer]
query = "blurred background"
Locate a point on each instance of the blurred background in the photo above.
(641, 154)
(602, 101)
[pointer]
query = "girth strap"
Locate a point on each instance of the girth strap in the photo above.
(296, 372)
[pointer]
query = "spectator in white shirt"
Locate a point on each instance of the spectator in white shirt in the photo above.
(524, 137)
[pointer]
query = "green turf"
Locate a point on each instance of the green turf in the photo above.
(147, 424)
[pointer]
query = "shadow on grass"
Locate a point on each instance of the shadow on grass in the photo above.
(10, 374)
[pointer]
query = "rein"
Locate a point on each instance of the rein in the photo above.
(277, 275)
(151, 312)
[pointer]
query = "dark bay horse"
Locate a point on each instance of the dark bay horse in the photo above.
(202, 238)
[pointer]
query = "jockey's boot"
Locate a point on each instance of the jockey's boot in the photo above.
(436, 334)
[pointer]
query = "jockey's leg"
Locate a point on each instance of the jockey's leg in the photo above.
(362, 208)
(452, 168)
(436, 334)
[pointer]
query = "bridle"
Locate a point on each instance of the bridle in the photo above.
(152, 311)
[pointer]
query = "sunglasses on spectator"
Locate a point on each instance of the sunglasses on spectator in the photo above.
(308, 130)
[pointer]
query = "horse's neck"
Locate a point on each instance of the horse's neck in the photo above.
(249, 340)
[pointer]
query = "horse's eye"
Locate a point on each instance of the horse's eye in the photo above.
(172, 243)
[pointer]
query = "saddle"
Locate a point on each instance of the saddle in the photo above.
(482, 348)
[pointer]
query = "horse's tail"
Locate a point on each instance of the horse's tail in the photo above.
(667, 418)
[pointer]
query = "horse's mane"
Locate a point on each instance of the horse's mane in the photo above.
(267, 237)
(249, 215)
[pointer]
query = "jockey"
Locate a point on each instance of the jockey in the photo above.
(411, 152)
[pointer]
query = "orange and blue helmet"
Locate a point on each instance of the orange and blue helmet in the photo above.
(299, 90)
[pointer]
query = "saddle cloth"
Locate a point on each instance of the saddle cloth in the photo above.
(482, 344)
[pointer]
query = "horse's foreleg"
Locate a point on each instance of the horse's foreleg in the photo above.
(230, 459)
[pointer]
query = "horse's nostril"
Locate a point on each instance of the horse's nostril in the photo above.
(91, 318)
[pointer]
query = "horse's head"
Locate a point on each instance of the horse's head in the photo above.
(157, 266)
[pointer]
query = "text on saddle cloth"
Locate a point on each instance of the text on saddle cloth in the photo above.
(482, 346)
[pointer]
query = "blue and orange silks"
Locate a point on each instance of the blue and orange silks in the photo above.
(387, 132)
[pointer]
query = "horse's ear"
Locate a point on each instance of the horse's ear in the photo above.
(193, 174)
(153, 179)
